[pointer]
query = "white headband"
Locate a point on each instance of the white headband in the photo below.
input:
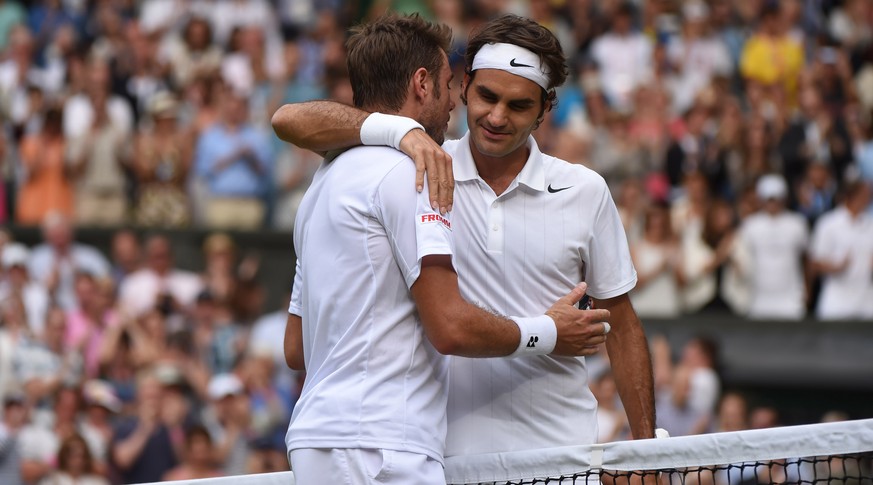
(513, 59)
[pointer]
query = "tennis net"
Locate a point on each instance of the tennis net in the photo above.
(830, 453)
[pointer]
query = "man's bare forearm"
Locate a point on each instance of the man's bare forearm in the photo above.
(631, 365)
(319, 126)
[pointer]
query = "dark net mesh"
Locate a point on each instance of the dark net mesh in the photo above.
(854, 469)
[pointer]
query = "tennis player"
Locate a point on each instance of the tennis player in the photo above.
(376, 300)
(526, 225)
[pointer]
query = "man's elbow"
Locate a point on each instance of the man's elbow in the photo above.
(294, 360)
(281, 122)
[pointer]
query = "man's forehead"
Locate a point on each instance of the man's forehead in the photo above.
(505, 84)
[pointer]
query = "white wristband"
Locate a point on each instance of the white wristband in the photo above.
(386, 130)
(538, 335)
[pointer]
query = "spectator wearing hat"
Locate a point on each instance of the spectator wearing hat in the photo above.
(227, 417)
(46, 186)
(776, 240)
(102, 406)
(17, 282)
(162, 159)
(842, 252)
(55, 262)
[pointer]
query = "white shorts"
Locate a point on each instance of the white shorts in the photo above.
(355, 466)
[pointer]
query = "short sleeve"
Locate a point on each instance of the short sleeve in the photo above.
(414, 229)
(296, 306)
(609, 270)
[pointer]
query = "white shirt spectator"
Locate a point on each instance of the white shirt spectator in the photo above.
(839, 237)
(140, 291)
(776, 245)
(79, 115)
(659, 298)
(625, 62)
(700, 60)
(81, 257)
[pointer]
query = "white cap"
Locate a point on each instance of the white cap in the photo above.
(772, 187)
(100, 393)
(15, 254)
(223, 385)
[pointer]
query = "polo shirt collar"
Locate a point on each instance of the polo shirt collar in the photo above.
(532, 174)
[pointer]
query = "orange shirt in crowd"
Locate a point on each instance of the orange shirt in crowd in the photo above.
(47, 187)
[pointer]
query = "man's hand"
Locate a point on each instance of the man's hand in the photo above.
(430, 158)
(580, 332)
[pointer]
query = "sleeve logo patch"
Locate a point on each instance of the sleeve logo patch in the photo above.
(434, 219)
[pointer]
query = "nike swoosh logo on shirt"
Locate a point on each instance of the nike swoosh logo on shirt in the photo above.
(516, 64)
(555, 191)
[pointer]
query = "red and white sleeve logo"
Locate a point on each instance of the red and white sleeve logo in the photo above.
(434, 219)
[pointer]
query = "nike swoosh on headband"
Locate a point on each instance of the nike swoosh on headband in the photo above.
(516, 64)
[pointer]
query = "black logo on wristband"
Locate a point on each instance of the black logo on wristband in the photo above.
(532, 343)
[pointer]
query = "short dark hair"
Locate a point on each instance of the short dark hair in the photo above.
(523, 32)
(384, 54)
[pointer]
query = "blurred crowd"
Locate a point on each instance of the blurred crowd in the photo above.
(128, 369)
(736, 137)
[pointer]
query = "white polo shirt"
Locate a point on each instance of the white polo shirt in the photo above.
(555, 225)
(776, 245)
(837, 236)
(373, 379)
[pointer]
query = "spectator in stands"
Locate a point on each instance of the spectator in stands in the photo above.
(612, 422)
(88, 324)
(771, 57)
(162, 160)
(270, 409)
(126, 255)
(159, 284)
(101, 408)
(219, 276)
(686, 393)
(192, 54)
(80, 109)
(47, 186)
(764, 417)
(233, 158)
(197, 459)
(842, 252)
(695, 151)
(817, 135)
(98, 159)
(624, 58)
(12, 420)
(227, 418)
(816, 192)
(17, 282)
(40, 441)
(142, 447)
(55, 262)
(44, 367)
(13, 332)
(733, 413)
(75, 465)
(696, 54)
(776, 240)
(657, 260)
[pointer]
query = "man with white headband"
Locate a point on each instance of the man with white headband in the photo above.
(525, 225)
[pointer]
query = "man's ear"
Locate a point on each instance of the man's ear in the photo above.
(421, 83)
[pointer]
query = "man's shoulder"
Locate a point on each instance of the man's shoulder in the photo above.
(372, 164)
(572, 174)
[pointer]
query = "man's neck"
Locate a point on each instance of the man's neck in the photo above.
(499, 172)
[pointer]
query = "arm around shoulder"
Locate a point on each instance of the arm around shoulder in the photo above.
(320, 126)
